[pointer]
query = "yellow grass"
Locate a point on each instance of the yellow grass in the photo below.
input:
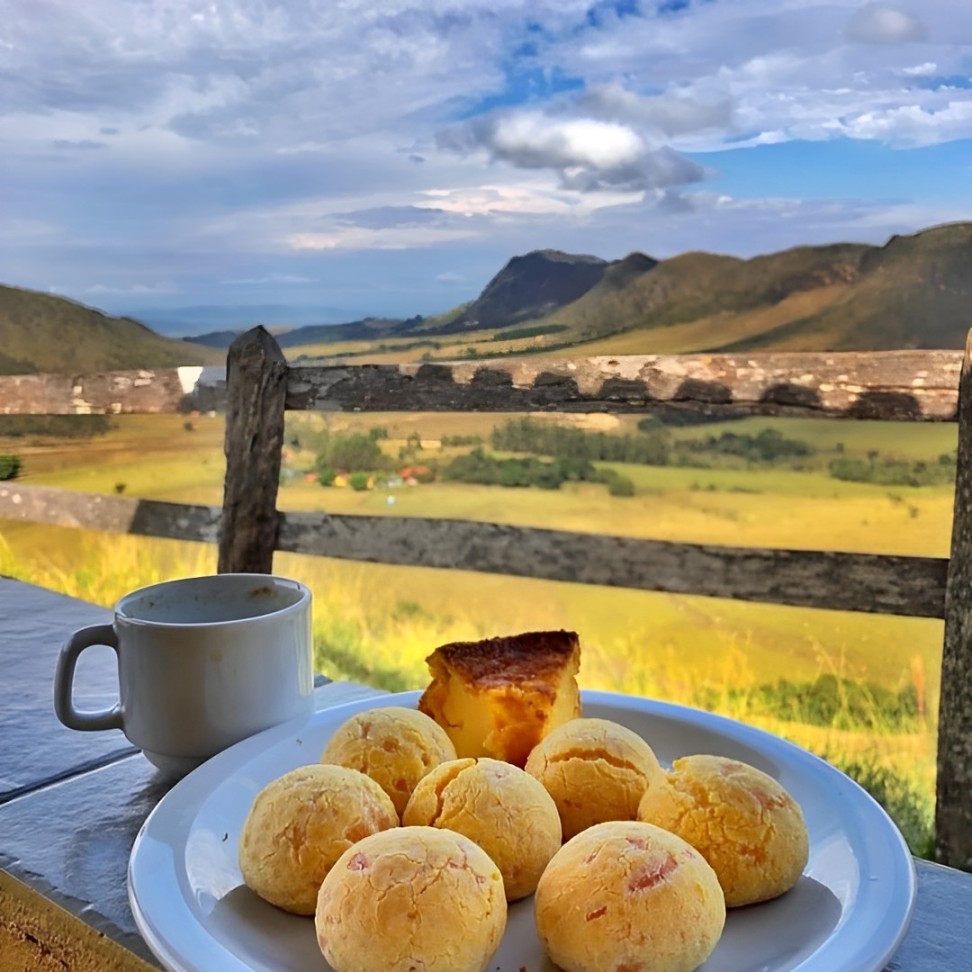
(697, 335)
(377, 623)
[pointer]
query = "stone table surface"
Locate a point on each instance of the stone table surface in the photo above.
(71, 803)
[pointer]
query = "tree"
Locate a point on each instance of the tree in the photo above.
(353, 453)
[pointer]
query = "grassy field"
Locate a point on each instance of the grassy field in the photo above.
(377, 623)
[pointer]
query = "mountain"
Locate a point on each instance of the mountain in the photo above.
(43, 333)
(527, 287)
(369, 329)
(915, 291)
(533, 286)
(638, 293)
(187, 321)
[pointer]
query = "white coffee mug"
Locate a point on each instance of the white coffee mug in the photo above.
(202, 663)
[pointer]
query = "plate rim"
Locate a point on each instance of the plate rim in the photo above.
(179, 808)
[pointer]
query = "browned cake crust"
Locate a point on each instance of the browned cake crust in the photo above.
(534, 656)
(500, 696)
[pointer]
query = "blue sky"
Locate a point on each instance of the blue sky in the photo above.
(359, 157)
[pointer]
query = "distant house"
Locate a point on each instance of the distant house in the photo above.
(413, 475)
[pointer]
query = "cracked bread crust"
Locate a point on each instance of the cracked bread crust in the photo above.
(742, 821)
(300, 823)
(499, 806)
(414, 898)
(596, 770)
(626, 896)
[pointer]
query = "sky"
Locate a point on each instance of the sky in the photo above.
(349, 158)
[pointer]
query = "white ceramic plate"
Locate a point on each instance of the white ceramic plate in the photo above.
(848, 912)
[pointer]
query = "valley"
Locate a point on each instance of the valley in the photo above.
(377, 623)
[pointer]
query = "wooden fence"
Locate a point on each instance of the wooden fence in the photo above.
(259, 387)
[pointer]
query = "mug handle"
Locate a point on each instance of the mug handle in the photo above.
(67, 660)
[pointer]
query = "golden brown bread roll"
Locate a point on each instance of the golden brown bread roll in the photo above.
(300, 824)
(629, 895)
(742, 821)
(596, 770)
(408, 899)
(393, 745)
(503, 809)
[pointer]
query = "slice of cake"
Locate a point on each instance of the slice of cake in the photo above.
(499, 697)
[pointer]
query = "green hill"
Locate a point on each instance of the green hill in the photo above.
(914, 292)
(43, 333)
(703, 286)
(533, 285)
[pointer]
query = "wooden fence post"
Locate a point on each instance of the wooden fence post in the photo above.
(256, 384)
(953, 808)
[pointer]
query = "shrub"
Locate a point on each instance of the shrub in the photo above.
(651, 448)
(769, 445)
(351, 452)
(462, 440)
(358, 481)
(910, 809)
(621, 486)
(887, 471)
(9, 467)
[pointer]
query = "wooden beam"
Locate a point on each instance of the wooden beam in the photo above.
(953, 806)
(891, 385)
(913, 586)
(839, 581)
(256, 380)
(112, 514)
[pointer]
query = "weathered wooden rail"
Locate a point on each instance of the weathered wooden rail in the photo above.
(259, 387)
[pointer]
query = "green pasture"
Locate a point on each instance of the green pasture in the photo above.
(377, 623)
(637, 635)
(632, 637)
(181, 459)
(166, 457)
(634, 641)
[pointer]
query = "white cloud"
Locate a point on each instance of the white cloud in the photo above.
(363, 238)
(881, 23)
(926, 70)
(532, 141)
(284, 279)
(526, 197)
(589, 154)
(660, 114)
(912, 124)
(133, 289)
(202, 141)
